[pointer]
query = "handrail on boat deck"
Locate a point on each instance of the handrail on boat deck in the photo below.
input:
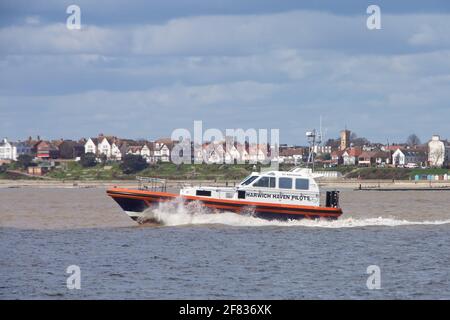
(154, 184)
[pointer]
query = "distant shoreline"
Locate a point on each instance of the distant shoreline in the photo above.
(340, 183)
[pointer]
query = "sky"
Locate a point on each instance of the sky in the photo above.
(140, 69)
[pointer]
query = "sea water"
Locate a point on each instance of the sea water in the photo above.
(196, 255)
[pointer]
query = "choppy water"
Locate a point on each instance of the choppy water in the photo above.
(195, 255)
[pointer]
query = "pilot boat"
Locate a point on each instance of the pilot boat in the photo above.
(272, 195)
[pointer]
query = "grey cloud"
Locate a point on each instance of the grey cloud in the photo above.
(265, 71)
(231, 35)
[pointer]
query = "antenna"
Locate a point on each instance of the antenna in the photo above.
(319, 138)
(325, 134)
(311, 136)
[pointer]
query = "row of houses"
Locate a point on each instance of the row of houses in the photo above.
(434, 154)
(109, 148)
(113, 148)
(161, 150)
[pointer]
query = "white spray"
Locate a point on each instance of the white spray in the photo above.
(176, 213)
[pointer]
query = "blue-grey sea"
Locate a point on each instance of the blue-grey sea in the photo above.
(198, 256)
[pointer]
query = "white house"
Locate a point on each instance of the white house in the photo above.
(321, 149)
(213, 152)
(197, 152)
(104, 148)
(291, 155)
(107, 146)
(144, 151)
(438, 152)
(232, 154)
(243, 153)
(91, 146)
(405, 157)
(258, 153)
(136, 150)
(350, 156)
(219, 152)
(8, 151)
(161, 152)
(116, 154)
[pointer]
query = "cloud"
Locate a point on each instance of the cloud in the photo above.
(32, 20)
(279, 70)
(233, 35)
(116, 111)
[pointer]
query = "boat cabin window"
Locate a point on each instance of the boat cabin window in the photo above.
(302, 184)
(285, 183)
(249, 180)
(265, 182)
(203, 193)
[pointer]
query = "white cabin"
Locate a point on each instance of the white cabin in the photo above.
(296, 187)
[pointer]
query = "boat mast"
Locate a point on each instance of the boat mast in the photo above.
(311, 136)
(314, 139)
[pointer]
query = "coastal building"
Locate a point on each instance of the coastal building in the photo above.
(37, 170)
(373, 158)
(91, 146)
(109, 147)
(438, 152)
(383, 158)
(23, 148)
(232, 154)
(350, 156)
(373, 147)
(318, 150)
(214, 152)
(408, 157)
(145, 151)
(258, 153)
(45, 150)
(116, 153)
(336, 157)
(291, 155)
(104, 147)
(135, 150)
(8, 151)
(69, 149)
(219, 152)
(243, 152)
(394, 147)
(367, 158)
(345, 139)
(162, 148)
(196, 153)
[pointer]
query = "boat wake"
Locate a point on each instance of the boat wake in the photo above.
(175, 213)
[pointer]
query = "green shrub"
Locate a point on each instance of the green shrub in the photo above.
(132, 163)
(88, 160)
(24, 161)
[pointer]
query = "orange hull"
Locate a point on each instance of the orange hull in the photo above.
(132, 200)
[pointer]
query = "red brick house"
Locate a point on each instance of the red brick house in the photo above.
(336, 157)
(371, 158)
(45, 150)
